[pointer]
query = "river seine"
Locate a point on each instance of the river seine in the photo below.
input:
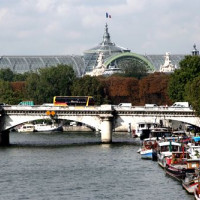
(76, 166)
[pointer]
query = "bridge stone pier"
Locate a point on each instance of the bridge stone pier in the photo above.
(104, 118)
(106, 128)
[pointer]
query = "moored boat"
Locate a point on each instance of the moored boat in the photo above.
(177, 171)
(26, 128)
(147, 149)
(47, 127)
(178, 165)
(190, 182)
(142, 126)
(165, 150)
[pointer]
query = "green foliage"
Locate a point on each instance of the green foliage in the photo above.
(6, 93)
(193, 94)
(21, 77)
(176, 88)
(6, 74)
(32, 84)
(49, 82)
(189, 69)
(133, 68)
(89, 86)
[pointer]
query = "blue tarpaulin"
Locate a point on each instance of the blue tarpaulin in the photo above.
(196, 139)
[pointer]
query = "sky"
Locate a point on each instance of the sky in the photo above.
(67, 27)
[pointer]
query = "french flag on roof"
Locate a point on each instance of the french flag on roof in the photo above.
(108, 15)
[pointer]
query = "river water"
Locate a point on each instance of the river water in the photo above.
(76, 166)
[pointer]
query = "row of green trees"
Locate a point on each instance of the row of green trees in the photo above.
(41, 86)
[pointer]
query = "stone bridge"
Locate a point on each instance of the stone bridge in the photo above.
(104, 118)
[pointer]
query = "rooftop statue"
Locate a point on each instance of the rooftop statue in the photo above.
(99, 68)
(167, 67)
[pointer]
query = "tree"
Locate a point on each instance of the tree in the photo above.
(32, 85)
(49, 82)
(193, 94)
(153, 89)
(189, 70)
(6, 92)
(6, 74)
(133, 68)
(21, 77)
(121, 89)
(89, 86)
(19, 91)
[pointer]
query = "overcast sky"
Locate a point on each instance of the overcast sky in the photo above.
(58, 27)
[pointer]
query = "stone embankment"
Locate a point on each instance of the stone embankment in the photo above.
(77, 128)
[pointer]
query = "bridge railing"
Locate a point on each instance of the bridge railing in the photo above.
(157, 108)
(110, 107)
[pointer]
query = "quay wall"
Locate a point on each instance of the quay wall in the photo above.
(77, 128)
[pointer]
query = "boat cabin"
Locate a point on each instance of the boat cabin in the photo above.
(150, 143)
(168, 146)
(160, 133)
(145, 126)
(180, 133)
(26, 128)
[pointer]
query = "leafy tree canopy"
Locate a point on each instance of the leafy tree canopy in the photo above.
(49, 82)
(193, 94)
(6, 93)
(189, 70)
(133, 68)
(6, 74)
(89, 86)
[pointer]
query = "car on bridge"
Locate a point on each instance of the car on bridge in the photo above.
(180, 105)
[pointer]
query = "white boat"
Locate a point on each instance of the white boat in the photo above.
(26, 128)
(47, 127)
(141, 126)
(165, 150)
(147, 149)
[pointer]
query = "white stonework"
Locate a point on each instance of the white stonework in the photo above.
(167, 67)
(100, 68)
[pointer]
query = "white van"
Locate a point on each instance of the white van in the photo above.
(180, 105)
(151, 105)
(125, 104)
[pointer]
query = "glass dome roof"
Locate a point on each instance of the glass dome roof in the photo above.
(107, 47)
(80, 64)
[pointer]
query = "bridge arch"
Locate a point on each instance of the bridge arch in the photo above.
(134, 56)
(93, 122)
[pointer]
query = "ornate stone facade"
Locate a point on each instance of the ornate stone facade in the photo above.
(167, 67)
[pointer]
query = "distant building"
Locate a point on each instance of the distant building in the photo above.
(195, 52)
(104, 59)
(21, 64)
(111, 55)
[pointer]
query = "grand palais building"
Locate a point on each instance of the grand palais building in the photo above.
(106, 55)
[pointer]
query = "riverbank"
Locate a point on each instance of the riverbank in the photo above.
(77, 128)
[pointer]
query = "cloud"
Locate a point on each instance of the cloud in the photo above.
(56, 26)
